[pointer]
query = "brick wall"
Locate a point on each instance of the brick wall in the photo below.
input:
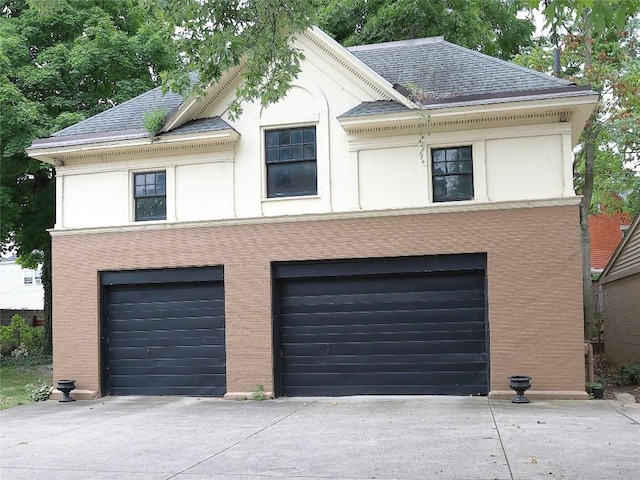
(534, 284)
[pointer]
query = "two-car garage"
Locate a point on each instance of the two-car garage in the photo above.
(405, 325)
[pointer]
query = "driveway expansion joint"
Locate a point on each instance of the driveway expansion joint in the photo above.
(504, 452)
(213, 455)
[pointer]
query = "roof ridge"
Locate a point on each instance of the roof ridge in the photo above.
(397, 43)
(510, 64)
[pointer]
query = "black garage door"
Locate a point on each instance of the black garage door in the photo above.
(164, 332)
(385, 326)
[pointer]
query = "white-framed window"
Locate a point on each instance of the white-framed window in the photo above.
(150, 195)
(291, 161)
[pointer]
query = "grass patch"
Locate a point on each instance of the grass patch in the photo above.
(19, 379)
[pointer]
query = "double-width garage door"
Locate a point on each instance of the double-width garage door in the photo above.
(411, 325)
(164, 332)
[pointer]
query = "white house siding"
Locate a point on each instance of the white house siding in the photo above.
(16, 296)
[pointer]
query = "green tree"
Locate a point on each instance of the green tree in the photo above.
(62, 61)
(598, 40)
(214, 37)
(489, 26)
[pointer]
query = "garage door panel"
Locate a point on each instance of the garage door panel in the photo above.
(342, 390)
(384, 317)
(315, 368)
(399, 379)
(148, 310)
(188, 321)
(383, 337)
(304, 329)
(208, 326)
(164, 380)
(166, 338)
(213, 365)
(380, 298)
(409, 359)
(204, 340)
(412, 282)
(413, 332)
(193, 391)
(383, 348)
(176, 351)
(148, 369)
(141, 294)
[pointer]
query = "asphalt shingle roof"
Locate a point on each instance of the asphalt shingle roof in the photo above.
(376, 108)
(126, 116)
(211, 124)
(435, 66)
(448, 70)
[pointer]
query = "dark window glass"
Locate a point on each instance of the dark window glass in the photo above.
(291, 162)
(452, 171)
(150, 196)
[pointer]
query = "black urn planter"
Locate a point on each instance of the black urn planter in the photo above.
(65, 386)
(520, 383)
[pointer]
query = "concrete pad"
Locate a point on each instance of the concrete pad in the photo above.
(414, 438)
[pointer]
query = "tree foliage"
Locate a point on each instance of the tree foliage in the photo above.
(215, 36)
(62, 61)
(489, 26)
(615, 125)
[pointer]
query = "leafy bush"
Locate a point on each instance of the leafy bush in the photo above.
(630, 374)
(154, 120)
(258, 393)
(42, 393)
(20, 337)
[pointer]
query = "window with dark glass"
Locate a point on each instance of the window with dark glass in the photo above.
(291, 162)
(150, 193)
(452, 173)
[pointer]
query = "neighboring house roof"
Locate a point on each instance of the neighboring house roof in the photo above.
(446, 73)
(605, 234)
(625, 261)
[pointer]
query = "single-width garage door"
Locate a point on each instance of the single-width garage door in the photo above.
(164, 332)
(412, 325)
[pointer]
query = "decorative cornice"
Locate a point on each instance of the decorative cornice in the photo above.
(220, 89)
(353, 66)
(419, 121)
(220, 140)
(436, 208)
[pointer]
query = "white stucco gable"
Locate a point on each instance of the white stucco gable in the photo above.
(326, 62)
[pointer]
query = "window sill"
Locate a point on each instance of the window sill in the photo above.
(290, 199)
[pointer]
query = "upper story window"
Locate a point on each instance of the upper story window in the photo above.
(452, 174)
(150, 194)
(291, 162)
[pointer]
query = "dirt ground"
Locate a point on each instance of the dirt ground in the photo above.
(608, 375)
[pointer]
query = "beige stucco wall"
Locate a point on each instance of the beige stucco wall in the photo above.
(534, 286)
(621, 316)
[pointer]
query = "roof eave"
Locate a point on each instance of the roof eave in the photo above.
(582, 102)
(53, 153)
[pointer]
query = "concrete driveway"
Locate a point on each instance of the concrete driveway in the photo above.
(326, 438)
